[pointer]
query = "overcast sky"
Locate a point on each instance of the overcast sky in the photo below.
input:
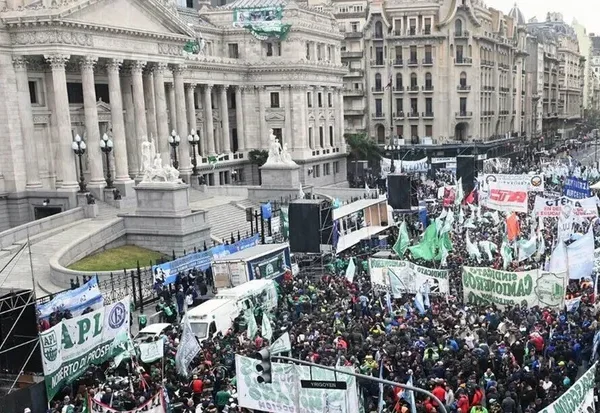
(581, 10)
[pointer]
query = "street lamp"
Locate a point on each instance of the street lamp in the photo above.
(392, 148)
(106, 145)
(174, 140)
(194, 140)
(79, 147)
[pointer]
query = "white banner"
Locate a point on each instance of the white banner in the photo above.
(448, 159)
(76, 301)
(405, 277)
(546, 207)
(580, 256)
(579, 397)
(152, 351)
(155, 405)
(414, 166)
(71, 346)
(533, 183)
(282, 344)
(506, 198)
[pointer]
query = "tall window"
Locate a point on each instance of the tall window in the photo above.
(274, 99)
(413, 80)
(398, 81)
(311, 139)
(321, 137)
(428, 81)
(309, 99)
(428, 105)
(378, 30)
(233, 51)
(331, 136)
(377, 81)
(378, 107)
(413, 54)
(379, 55)
(463, 105)
(459, 53)
(414, 107)
(428, 54)
(463, 79)
(458, 26)
(398, 105)
(320, 99)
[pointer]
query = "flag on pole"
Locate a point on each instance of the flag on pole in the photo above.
(459, 192)
(266, 329)
(187, 349)
(251, 323)
(506, 253)
(350, 270)
(402, 242)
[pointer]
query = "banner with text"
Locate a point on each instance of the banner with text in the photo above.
(504, 288)
(76, 301)
(72, 345)
(506, 198)
(155, 405)
(547, 207)
(533, 183)
(579, 397)
(284, 394)
(576, 188)
(405, 277)
(414, 166)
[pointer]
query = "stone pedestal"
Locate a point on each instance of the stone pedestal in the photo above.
(285, 176)
(163, 220)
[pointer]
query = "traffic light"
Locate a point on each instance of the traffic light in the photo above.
(264, 367)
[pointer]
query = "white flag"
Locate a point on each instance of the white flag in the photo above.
(266, 329)
(282, 344)
(472, 249)
(187, 349)
(350, 270)
(152, 351)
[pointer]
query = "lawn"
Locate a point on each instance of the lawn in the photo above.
(116, 259)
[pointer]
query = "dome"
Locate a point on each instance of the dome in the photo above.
(517, 15)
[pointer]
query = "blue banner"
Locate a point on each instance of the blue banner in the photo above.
(75, 301)
(576, 188)
(167, 273)
(266, 210)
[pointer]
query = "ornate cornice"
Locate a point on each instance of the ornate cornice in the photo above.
(43, 37)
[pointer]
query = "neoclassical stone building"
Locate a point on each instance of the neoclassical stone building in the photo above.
(90, 67)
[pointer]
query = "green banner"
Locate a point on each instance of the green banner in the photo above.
(270, 268)
(71, 346)
(578, 398)
(262, 22)
(504, 288)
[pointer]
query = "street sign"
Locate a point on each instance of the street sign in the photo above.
(321, 384)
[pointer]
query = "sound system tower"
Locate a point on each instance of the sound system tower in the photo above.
(465, 169)
(311, 225)
(402, 191)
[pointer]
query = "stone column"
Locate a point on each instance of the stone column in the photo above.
(287, 105)
(92, 131)
(239, 119)
(190, 98)
(264, 134)
(139, 107)
(171, 107)
(339, 116)
(118, 124)
(150, 104)
(326, 141)
(68, 173)
(162, 120)
(210, 138)
(130, 138)
(182, 125)
(27, 128)
(226, 143)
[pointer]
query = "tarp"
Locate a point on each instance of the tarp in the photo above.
(406, 277)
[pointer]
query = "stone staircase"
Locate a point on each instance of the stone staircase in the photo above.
(227, 219)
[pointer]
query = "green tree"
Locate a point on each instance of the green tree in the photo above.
(362, 149)
(258, 157)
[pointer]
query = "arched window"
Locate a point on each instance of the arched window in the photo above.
(428, 80)
(413, 80)
(380, 134)
(458, 27)
(378, 30)
(378, 81)
(463, 79)
(399, 81)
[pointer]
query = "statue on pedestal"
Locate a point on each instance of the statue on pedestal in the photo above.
(278, 155)
(154, 170)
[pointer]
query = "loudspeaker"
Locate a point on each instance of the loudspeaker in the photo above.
(465, 169)
(311, 225)
(399, 191)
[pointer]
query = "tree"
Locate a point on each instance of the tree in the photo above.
(362, 149)
(258, 157)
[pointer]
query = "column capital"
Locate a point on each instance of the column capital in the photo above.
(88, 62)
(114, 65)
(209, 87)
(137, 67)
(160, 68)
(19, 62)
(178, 69)
(244, 88)
(57, 61)
(223, 88)
(190, 86)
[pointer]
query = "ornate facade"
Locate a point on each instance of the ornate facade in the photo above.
(118, 67)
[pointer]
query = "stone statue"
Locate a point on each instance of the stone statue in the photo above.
(154, 170)
(274, 150)
(147, 155)
(286, 156)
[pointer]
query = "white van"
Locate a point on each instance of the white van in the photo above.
(212, 316)
(252, 294)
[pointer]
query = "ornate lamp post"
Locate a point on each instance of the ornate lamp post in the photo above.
(79, 148)
(174, 140)
(194, 140)
(106, 145)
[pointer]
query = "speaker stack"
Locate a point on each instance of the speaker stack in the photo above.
(311, 225)
(402, 191)
(465, 169)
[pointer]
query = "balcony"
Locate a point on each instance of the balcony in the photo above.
(428, 61)
(354, 73)
(504, 112)
(427, 115)
(463, 114)
(463, 88)
(346, 55)
(398, 62)
(464, 34)
(398, 115)
(503, 66)
(487, 63)
(487, 113)
(412, 89)
(427, 88)
(463, 61)
(488, 88)
(378, 35)
(353, 35)
(398, 89)
(378, 115)
(412, 31)
(377, 62)
(354, 112)
(413, 62)
(504, 89)
(353, 92)
(377, 89)
(413, 115)
(514, 112)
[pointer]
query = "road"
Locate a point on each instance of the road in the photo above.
(587, 156)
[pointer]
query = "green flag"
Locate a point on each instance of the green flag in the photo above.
(267, 331)
(252, 326)
(285, 223)
(192, 47)
(403, 241)
(427, 248)
(445, 246)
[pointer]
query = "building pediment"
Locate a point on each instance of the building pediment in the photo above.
(274, 116)
(311, 116)
(147, 17)
(102, 107)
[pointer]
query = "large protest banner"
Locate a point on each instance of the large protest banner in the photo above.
(406, 277)
(576, 188)
(72, 345)
(155, 405)
(533, 183)
(507, 198)
(578, 398)
(76, 301)
(547, 207)
(284, 394)
(201, 260)
(504, 288)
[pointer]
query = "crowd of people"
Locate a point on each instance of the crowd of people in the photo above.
(473, 358)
